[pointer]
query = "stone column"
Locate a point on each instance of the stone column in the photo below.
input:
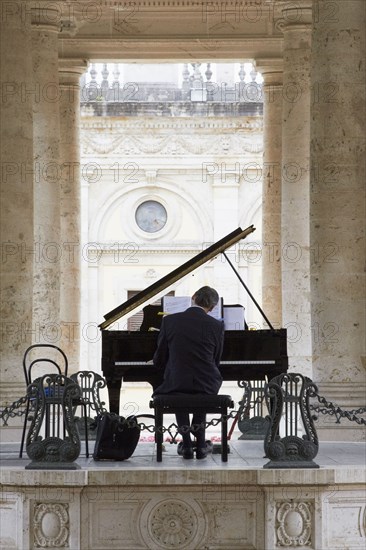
(296, 26)
(16, 196)
(48, 251)
(70, 291)
(337, 208)
(271, 71)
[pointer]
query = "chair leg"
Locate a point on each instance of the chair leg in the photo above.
(86, 428)
(159, 433)
(224, 449)
(24, 430)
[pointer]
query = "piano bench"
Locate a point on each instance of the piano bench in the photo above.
(172, 403)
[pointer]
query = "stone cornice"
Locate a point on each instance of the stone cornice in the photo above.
(109, 249)
(111, 48)
(244, 124)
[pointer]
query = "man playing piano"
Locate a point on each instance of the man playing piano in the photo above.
(189, 349)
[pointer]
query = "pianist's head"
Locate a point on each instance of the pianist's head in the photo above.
(206, 297)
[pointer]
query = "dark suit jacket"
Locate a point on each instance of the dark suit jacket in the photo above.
(189, 349)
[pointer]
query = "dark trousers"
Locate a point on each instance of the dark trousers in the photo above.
(197, 428)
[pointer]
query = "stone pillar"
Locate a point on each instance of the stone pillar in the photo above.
(337, 208)
(271, 71)
(16, 196)
(48, 251)
(296, 26)
(70, 291)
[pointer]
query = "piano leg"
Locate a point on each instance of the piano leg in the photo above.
(114, 391)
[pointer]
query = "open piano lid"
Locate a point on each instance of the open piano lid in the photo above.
(154, 289)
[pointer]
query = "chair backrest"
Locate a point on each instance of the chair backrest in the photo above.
(91, 383)
(47, 357)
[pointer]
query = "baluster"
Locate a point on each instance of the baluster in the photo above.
(186, 84)
(93, 85)
(197, 78)
(105, 83)
(241, 72)
(209, 85)
(253, 74)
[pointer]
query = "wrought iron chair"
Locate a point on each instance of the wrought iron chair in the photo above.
(56, 362)
(90, 383)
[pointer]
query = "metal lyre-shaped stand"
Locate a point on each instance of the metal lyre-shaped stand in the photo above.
(52, 398)
(289, 401)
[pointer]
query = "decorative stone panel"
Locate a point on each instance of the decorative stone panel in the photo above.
(294, 524)
(51, 527)
(172, 524)
(163, 519)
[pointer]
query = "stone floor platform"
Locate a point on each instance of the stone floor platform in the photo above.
(187, 504)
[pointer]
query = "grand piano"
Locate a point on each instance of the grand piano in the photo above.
(247, 354)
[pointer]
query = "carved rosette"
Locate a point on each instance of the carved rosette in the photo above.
(293, 524)
(173, 524)
(51, 525)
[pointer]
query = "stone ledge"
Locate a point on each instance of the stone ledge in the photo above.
(178, 477)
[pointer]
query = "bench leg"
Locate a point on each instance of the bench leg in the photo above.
(224, 449)
(159, 434)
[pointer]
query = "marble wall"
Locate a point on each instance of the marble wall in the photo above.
(171, 509)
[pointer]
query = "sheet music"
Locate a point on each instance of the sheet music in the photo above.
(176, 304)
(234, 317)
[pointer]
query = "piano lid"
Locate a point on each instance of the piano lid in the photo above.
(154, 289)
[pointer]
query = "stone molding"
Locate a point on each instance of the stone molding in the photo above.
(247, 125)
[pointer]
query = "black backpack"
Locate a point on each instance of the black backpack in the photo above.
(116, 437)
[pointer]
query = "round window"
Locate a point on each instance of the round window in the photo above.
(151, 216)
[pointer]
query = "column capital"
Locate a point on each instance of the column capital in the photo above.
(70, 70)
(45, 19)
(294, 15)
(271, 70)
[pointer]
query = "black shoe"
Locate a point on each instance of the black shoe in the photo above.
(181, 446)
(201, 452)
(187, 452)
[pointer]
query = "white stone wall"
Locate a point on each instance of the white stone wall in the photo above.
(208, 175)
(183, 509)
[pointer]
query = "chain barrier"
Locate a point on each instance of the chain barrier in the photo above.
(334, 410)
(172, 429)
(11, 412)
(328, 408)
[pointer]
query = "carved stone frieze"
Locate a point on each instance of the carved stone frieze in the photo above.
(294, 524)
(148, 144)
(51, 525)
